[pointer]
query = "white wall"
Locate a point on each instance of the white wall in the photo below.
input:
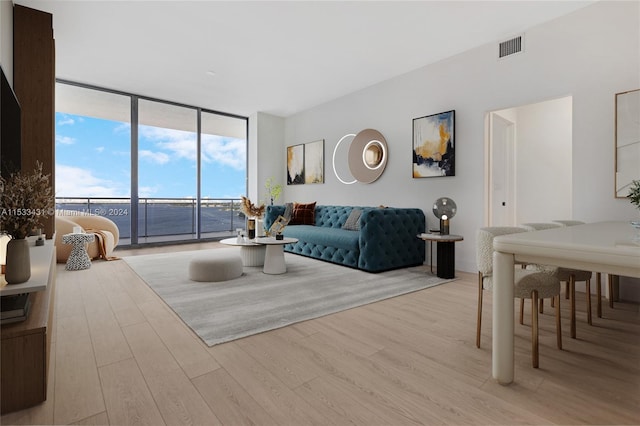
(590, 55)
(6, 38)
(266, 155)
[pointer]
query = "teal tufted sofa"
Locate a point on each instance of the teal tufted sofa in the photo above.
(387, 238)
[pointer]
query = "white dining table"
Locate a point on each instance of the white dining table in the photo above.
(608, 247)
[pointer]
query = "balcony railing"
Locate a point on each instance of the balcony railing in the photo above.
(171, 218)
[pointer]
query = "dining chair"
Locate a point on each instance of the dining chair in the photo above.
(598, 274)
(528, 284)
(567, 275)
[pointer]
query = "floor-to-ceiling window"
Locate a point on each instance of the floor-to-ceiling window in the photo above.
(186, 177)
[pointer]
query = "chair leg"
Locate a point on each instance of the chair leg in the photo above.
(610, 290)
(479, 309)
(534, 329)
(572, 289)
(521, 311)
(558, 323)
(588, 291)
(541, 306)
(599, 293)
(566, 290)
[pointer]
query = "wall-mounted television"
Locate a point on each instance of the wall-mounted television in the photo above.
(10, 129)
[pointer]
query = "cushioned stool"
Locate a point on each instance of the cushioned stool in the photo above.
(219, 265)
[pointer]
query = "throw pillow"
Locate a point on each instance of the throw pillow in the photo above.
(303, 214)
(288, 211)
(353, 221)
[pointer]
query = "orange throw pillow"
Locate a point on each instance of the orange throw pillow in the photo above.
(303, 214)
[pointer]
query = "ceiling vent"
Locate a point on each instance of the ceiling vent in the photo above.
(511, 47)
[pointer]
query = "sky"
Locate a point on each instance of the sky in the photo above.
(93, 159)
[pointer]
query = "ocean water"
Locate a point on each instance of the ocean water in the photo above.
(160, 219)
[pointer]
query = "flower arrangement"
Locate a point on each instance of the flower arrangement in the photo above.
(274, 191)
(634, 193)
(25, 201)
(250, 210)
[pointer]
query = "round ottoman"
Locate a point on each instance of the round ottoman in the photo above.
(217, 266)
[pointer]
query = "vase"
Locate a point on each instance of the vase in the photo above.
(18, 269)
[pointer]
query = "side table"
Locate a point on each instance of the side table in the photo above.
(78, 258)
(274, 257)
(446, 253)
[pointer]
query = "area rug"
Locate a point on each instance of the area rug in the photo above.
(256, 302)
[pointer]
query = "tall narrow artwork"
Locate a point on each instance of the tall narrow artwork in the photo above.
(295, 164)
(314, 162)
(433, 145)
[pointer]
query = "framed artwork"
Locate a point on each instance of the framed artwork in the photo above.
(434, 145)
(295, 165)
(314, 162)
(627, 141)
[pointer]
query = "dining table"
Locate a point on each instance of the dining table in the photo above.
(608, 247)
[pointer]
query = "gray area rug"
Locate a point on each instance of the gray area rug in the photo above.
(257, 302)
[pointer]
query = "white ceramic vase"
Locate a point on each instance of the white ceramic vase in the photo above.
(18, 269)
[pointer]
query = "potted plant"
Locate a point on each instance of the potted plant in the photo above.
(274, 190)
(25, 201)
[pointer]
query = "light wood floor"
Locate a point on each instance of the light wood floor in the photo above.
(120, 356)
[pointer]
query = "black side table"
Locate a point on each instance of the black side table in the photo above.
(446, 253)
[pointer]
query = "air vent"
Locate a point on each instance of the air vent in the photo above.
(510, 47)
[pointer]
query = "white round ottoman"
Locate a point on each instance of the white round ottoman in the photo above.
(216, 266)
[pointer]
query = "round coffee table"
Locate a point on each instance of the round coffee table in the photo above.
(252, 253)
(274, 258)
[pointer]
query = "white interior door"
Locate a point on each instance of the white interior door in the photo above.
(502, 171)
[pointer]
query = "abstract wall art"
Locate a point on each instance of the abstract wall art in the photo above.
(314, 162)
(295, 164)
(433, 145)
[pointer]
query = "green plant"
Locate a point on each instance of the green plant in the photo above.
(634, 193)
(274, 190)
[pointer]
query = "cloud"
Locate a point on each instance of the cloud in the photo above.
(78, 182)
(148, 191)
(100, 149)
(65, 140)
(122, 128)
(154, 157)
(182, 145)
(227, 151)
(66, 120)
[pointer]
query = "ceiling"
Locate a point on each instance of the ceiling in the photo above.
(281, 57)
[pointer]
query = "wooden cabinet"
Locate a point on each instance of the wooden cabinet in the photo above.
(25, 345)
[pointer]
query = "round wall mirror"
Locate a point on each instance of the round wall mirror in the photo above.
(373, 154)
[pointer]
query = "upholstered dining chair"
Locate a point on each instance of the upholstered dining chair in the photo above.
(567, 275)
(528, 284)
(598, 275)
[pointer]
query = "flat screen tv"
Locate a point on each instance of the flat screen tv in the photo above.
(10, 129)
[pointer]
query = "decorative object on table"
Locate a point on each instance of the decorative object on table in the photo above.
(79, 258)
(433, 145)
(252, 213)
(314, 162)
(278, 226)
(273, 190)
(444, 209)
(25, 202)
(367, 156)
(295, 164)
(4, 240)
(627, 165)
(634, 193)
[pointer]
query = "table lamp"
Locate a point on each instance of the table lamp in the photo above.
(444, 209)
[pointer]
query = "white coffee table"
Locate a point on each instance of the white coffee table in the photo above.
(274, 257)
(252, 253)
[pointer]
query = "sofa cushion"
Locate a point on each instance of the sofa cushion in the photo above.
(303, 214)
(353, 221)
(328, 237)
